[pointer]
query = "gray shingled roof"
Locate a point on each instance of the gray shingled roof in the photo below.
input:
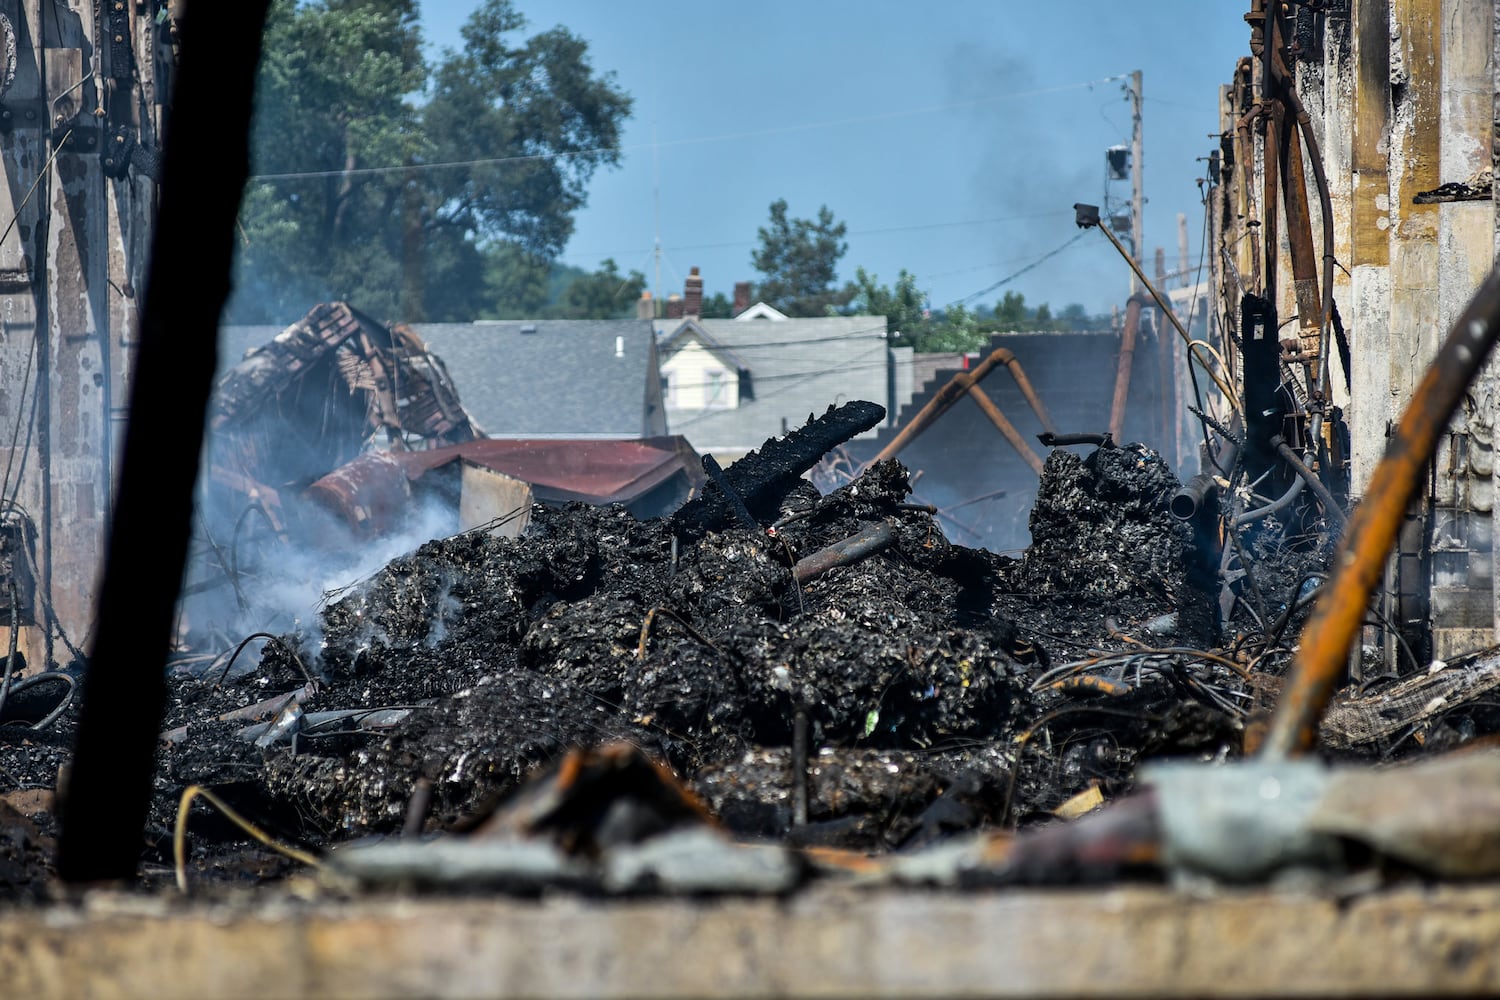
(563, 381)
(797, 367)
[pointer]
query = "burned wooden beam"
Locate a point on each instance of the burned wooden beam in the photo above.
(765, 476)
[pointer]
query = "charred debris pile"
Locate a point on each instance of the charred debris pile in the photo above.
(934, 688)
(822, 670)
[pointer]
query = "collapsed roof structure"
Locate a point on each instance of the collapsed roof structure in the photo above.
(342, 430)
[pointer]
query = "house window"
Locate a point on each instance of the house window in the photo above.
(668, 395)
(716, 390)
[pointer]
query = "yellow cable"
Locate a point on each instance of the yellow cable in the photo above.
(179, 834)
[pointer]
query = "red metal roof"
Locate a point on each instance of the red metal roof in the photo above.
(370, 492)
(590, 470)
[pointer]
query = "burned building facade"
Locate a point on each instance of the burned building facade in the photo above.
(1352, 215)
(82, 95)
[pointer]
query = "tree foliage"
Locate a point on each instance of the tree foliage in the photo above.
(416, 191)
(956, 328)
(603, 294)
(800, 258)
(903, 306)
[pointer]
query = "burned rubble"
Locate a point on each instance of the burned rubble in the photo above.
(881, 696)
(467, 664)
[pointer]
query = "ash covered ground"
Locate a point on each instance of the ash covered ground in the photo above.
(933, 677)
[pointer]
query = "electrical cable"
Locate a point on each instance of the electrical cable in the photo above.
(698, 140)
(1029, 267)
(48, 677)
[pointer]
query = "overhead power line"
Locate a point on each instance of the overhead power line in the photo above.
(1016, 274)
(915, 227)
(697, 140)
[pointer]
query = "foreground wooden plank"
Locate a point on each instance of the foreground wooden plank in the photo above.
(1118, 943)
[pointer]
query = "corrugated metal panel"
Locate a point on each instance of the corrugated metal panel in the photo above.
(588, 470)
(371, 493)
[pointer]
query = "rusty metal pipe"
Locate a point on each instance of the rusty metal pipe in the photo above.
(1246, 154)
(1372, 529)
(1287, 82)
(1122, 367)
(851, 550)
(1299, 239)
(1029, 393)
(1006, 428)
(1325, 498)
(954, 390)
(1270, 223)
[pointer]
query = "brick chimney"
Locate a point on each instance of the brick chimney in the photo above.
(692, 295)
(645, 307)
(674, 306)
(741, 297)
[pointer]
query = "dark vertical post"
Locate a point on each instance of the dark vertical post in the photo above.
(890, 381)
(206, 163)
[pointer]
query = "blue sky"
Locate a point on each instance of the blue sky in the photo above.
(952, 138)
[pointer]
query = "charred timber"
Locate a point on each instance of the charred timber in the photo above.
(850, 550)
(764, 477)
(1065, 440)
(731, 495)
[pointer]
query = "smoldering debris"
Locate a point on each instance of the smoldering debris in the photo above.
(914, 690)
(461, 668)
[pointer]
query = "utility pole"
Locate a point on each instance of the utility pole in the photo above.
(1137, 192)
(1183, 278)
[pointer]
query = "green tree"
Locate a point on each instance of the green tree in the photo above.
(953, 329)
(330, 98)
(516, 284)
(718, 306)
(903, 306)
(1011, 312)
(799, 258)
(603, 294)
(406, 188)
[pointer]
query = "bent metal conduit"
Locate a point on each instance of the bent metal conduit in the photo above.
(1005, 427)
(967, 383)
(1372, 528)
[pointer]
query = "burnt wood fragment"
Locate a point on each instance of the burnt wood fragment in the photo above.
(765, 476)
